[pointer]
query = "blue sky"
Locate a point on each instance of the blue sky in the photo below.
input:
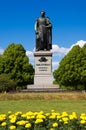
(17, 19)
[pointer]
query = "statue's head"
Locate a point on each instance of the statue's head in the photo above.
(42, 14)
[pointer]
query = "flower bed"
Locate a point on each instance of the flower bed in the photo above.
(42, 121)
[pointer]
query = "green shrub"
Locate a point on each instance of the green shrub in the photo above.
(78, 87)
(6, 84)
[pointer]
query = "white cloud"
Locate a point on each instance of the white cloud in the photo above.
(59, 50)
(55, 65)
(58, 54)
(1, 51)
(30, 54)
(81, 43)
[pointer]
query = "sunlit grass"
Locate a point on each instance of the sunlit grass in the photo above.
(45, 105)
(43, 101)
(44, 96)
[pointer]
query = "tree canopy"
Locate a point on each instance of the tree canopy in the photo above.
(15, 63)
(72, 68)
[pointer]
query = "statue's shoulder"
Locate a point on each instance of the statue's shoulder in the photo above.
(47, 18)
(38, 19)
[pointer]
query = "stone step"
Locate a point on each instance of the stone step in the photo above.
(39, 90)
(42, 86)
(47, 90)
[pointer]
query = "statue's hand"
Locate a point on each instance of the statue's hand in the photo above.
(48, 26)
(36, 32)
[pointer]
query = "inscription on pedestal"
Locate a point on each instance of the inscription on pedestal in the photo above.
(43, 65)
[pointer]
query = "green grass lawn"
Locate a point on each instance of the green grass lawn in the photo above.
(36, 102)
(45, 105)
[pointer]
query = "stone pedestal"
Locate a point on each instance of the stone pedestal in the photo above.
(43, 68)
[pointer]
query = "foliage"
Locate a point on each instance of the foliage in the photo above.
(1, 64)
(83, 70)
(42, 121)
(6, 83)
(72, 68)
(16, 64)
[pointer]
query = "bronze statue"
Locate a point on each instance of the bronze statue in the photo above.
(43, 29)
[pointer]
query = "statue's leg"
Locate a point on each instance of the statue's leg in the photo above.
(45, 42)
(37, 45)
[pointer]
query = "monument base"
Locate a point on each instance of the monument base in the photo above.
(43, 80)
(42, 87)
(43, 68)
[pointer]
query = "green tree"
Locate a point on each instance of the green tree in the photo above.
(16, 64)
(69, 72)
(83, 67)
(1, 64)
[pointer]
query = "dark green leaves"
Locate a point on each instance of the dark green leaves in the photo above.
(72, 68)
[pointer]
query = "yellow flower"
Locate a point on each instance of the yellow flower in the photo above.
(38, 121)
(21, 123)
(3, 124)
(65, 119)
(64, 114)
(66, 122)
(2, 117)
(74, 115)
(71, 117)
(24, 115)
(32, 117)
(40, 116)
(12, 116)
(60, 120)
(47, 114)
(52, 116)
(28, 117)
(9, 112)
(28, 125)
(83, 116)
(18, 113)
(51, 129)
(58, 117)
(13, 120)
(52, 110)
(83, 122)
(55, 125)
(41, 112)
(12, 127)
(58, 114)
(29, 113)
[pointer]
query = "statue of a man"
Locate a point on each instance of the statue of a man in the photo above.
(43, 29)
